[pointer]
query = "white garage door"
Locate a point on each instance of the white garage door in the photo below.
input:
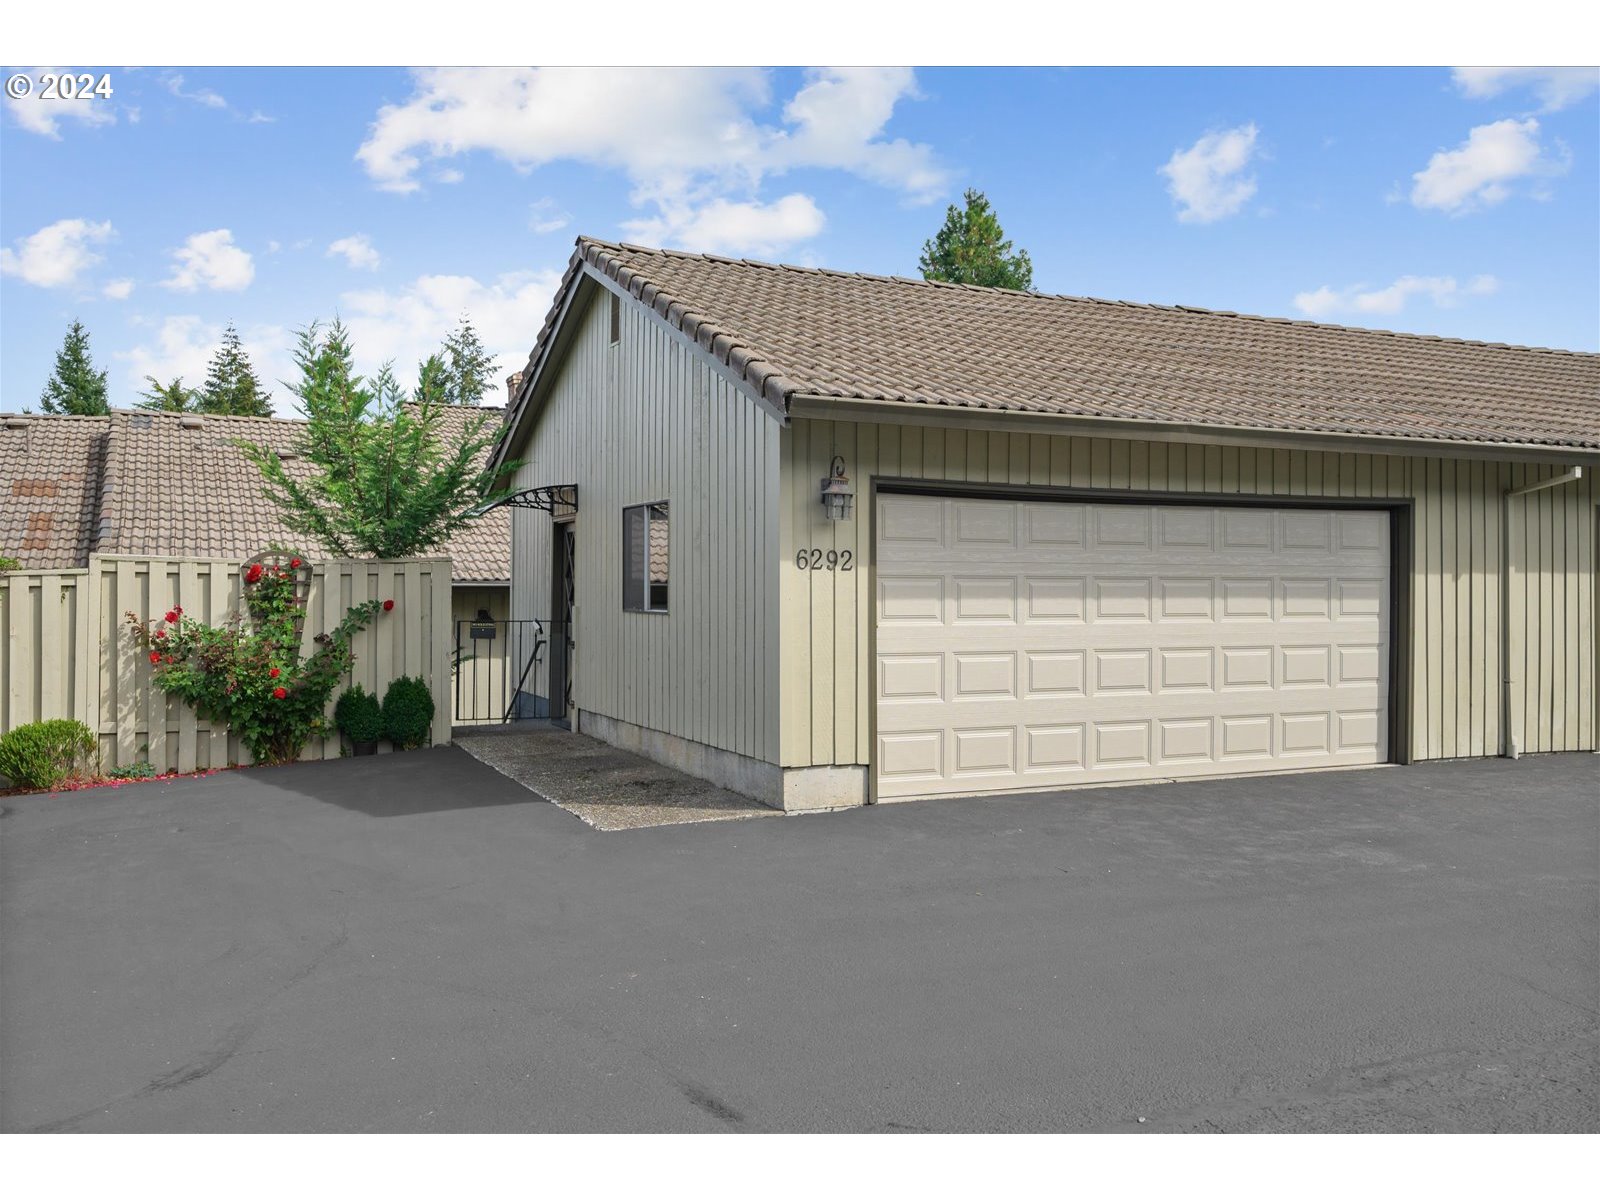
(1027, 645)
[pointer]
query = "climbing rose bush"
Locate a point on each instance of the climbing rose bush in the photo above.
(247, 673)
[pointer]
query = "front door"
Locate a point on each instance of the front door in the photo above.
(563, 579)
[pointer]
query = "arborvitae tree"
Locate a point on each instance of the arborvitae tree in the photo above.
(466, 366)
(75, 386)
(170, 397)
(972, 248)
(231, 386)
(385, 481)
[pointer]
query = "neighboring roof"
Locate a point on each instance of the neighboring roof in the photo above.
(803, 332)
(167, 485)
(50, 471)
(177, 487)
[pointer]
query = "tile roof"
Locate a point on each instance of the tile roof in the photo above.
(50, 473)
(797, 331)
(166, 486)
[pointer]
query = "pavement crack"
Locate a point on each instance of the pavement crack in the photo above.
(708, 1103)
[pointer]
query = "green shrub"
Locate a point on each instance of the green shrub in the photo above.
(9, 564)
(134, 770)
(407, 712)
(44, 753)
(358, 715)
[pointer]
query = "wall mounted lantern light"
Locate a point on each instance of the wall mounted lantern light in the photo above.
(837, 497)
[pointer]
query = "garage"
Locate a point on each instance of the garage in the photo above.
(1038, 643)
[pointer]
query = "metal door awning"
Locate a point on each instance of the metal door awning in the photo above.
(555, 498)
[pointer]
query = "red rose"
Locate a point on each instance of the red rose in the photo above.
(172, 617)
(178, 608)
(155, 656)
(169, 658)
(294, 562)
(279, 693)
(253, 574)
(272, 674)
(161, 633)
(388, 606)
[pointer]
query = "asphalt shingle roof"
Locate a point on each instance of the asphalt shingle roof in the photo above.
(166, 487)
(797, 331)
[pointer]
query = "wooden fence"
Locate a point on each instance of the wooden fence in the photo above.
(65, 649)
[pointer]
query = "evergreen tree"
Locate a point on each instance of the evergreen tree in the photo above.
(385, 481)
(231, 386)
(170, 397)
(972, 248)
(75, 386)
(466, 366)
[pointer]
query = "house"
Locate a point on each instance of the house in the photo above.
(830, 538)
(176, 485)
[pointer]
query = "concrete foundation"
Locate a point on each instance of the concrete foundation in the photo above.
(793, 789)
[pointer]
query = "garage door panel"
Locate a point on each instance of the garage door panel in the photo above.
(985, 676)
(1060, 644)
(985, 599)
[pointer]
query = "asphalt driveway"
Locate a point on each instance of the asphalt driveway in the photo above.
(413, 942)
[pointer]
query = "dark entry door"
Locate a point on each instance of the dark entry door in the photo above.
(563, 579)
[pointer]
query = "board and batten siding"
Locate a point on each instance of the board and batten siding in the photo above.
(1454, 631)
(648, 418)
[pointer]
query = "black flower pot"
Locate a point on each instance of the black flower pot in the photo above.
(360, 748)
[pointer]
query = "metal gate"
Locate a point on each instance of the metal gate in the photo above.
(502, 670)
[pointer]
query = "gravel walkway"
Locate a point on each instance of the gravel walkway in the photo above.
(605, 787)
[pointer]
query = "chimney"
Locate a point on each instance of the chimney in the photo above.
(513, 382)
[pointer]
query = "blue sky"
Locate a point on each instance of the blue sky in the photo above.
(1465, 204)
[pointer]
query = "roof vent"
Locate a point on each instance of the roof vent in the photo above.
(191, 421)
(288, 455)
(16, 422)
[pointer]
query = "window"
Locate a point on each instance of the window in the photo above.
(616, 318)
(644, 558)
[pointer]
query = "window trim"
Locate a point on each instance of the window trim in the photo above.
(647, 505)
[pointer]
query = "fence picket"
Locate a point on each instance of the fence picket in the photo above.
(67, 652)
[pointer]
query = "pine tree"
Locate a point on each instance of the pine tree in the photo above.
(972, 248)
(170, 397)
(231, 386)
(466, 366)
(75, 386)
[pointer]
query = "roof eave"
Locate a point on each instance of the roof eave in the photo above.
(806, 405)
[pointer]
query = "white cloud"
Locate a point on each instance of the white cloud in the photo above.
(546, 216)
(117, 289)
(732, 227)
(182, 346)
(46, 117)
(686, 138)
(56, 255)
(405, 325)
(202, 96)
(1556, 87)
(356, 250)
(207, 98)
(1207, 180)
(1479, 172)
(211, 260)
(1442, 290)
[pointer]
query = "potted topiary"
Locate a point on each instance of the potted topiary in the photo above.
(360, 718)
(407, 712)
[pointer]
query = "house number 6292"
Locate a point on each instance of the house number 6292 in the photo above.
(824, 560)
